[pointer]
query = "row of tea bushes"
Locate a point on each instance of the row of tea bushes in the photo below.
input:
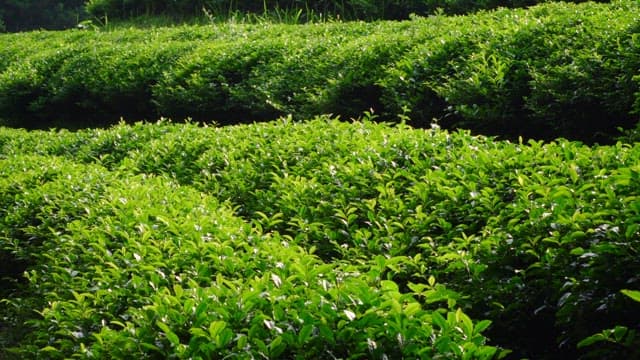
(118, 265)
(549, 71)
(563, 70)
(538, 238)
(297, 9)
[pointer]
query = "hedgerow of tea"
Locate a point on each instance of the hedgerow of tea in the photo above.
(552, 70)
(314, 240)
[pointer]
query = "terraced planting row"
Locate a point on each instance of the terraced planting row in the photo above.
(553, 70)
(299, 10)
(317, 239)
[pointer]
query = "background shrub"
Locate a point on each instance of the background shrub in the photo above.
(348, 10)
(553, 70)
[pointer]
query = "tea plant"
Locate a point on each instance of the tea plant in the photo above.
(552, 70)
(348, 10)
(118, 265)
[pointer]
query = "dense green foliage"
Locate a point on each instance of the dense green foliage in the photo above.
(23, 15)
(321, 239)
(313, 240)
(342, 9)
(552, 70)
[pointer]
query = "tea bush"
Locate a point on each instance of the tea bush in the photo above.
(255, 221)
(350, 9)
(121, 265)
(552, 70)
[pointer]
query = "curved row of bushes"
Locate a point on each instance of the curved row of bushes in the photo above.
(125, 265)
(26, 15)
(343, 9)
(538, 238)
(553, 70)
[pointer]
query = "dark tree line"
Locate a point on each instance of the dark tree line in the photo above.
(23, 15)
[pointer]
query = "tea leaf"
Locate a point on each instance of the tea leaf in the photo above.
(633, 294)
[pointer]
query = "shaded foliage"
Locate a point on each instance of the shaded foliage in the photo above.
(23, 15)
